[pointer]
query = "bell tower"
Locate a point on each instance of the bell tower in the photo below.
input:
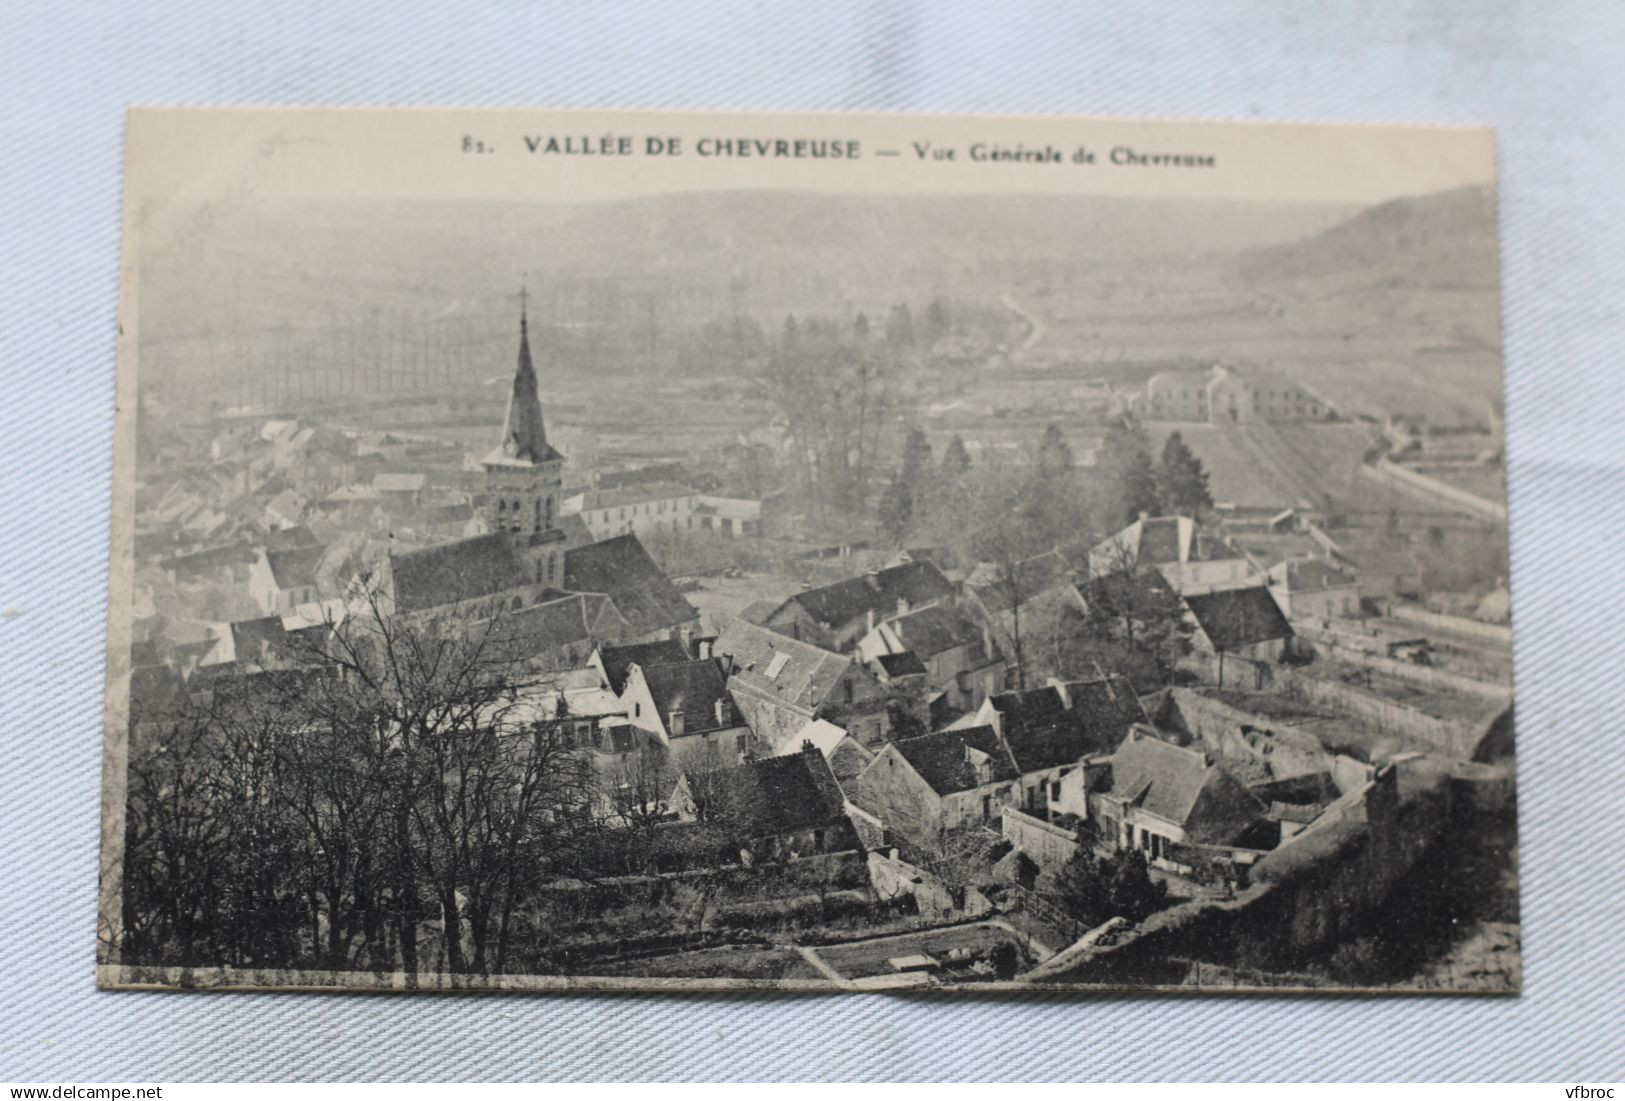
(524, 474)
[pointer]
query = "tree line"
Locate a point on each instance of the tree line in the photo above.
(393, 803)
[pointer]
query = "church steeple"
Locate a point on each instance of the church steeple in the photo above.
(524, 474)
(524, 436)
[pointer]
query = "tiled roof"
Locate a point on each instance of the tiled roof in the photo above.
(1314, 573)
(1181, 786)
(1027, 579)
(543, 627)
(1121, 591)
(691, 688)
(904, 664)
(930, 631)
(1237, 618)
(617, 659)
(633, 495)
(289, 538)
(1046, 729)
(778, 795)
(622, 570)
(802, 675)
(447, 573)
(385, 482)
(947, 759)
(918, 583)
(294, 567)
(1159, 541)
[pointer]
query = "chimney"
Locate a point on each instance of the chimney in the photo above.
(1063, 691)
(869, 619)
(705, 648)
(722, 711)
(1144, 516)
(674, 725)
(902, 605)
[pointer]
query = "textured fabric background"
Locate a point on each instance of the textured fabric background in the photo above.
(1548, 75)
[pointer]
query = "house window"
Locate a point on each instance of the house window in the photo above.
(987, 807)
(637, 710)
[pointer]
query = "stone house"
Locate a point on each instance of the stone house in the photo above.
(1156, 796)
(925, 788)
(1190, 557)
(962, 660)
(1313, 588)
(836, 616)
(774, 808)
(1241, 622)
(1055, 730)
(780, 685)
(686, 705)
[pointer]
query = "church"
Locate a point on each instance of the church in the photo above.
(531, 556)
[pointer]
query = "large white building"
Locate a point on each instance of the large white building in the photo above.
(636, 510)
(1228, 395)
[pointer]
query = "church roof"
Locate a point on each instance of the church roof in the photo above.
(622, 570)
(447, 573)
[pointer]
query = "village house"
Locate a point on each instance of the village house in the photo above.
(1313, 588)
(836, 616)
(781, 684)
(575, 702)
(730, 517)
(962, 660)
(281, 579)
(847, 756)
(686, 705)
(1052, 731)
(285, 510)
(613, 662)
(1240, 622)
(1190, 558)
(924, 788)
(1028, 595)
(399, 493)
(774, 808)
(636, 510)
(1163, 799)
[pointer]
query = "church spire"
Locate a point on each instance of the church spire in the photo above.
(523, 434)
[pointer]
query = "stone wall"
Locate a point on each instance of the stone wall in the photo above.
(1048, 846)
(1440, 493)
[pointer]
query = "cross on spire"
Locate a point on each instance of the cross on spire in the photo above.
(524, 299)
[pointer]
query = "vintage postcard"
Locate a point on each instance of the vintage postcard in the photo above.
(821, 552)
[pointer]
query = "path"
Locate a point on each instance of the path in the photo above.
(1035, 327)
(817, 963)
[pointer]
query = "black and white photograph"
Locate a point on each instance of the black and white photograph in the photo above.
(810, 552)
